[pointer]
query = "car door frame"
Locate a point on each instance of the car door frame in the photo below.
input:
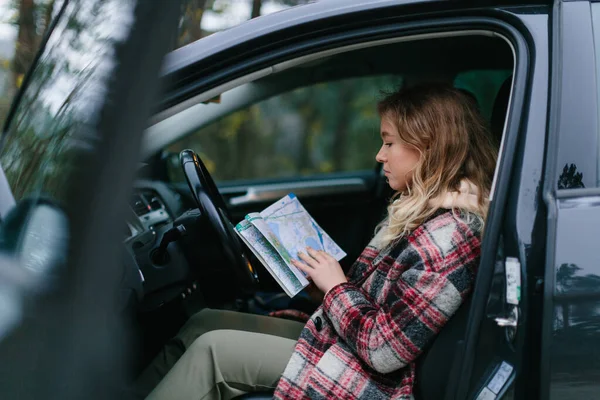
(524, 33)
(513, 218)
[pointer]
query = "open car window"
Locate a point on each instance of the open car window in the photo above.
(323, 128)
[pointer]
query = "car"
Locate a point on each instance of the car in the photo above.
(114, 233)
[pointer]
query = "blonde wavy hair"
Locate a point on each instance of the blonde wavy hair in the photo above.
(455, 145)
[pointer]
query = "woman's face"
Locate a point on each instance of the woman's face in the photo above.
(398, 159)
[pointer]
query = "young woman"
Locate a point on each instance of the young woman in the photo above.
(362, 342)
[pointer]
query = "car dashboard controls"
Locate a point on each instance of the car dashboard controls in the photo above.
(149, 208)
(160, 255)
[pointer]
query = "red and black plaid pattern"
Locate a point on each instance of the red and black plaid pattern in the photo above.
(363, 341)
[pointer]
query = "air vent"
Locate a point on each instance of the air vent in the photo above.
(146, 201)
(156, 203)
(153, 200)
(139, 205)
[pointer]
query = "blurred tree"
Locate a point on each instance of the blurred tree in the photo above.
(26, 40)
(190, 26)
(39, 152)
(191, 21)
(324, 128)
(293, 3)
(256, 6)
(31, 20)
(344, 117)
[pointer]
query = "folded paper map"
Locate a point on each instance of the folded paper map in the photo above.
(278, 233)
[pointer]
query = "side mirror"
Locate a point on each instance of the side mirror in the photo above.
(33, 248)
(44, 238)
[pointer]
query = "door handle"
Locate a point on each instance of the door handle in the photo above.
(506, 322)
(249, 197)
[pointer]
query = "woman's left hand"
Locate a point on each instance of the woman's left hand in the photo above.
(323, 269)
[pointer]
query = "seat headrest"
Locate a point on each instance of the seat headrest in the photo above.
(500, 107)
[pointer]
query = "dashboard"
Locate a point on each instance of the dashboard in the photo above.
(154, 204)
(153, 207)
(149, 209)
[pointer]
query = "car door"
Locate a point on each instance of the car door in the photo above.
(499, 350)
(571, 330)
(68, 157)
(500, 354)
(545, 346)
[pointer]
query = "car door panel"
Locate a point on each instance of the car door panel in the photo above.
(513, 228)
(569, 332)
(572, 317)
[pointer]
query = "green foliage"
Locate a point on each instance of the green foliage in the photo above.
(325, 128)
(48, 136)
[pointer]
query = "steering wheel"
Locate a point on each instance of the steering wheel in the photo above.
(213, 209)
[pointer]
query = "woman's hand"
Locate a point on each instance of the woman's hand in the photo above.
(323, 269)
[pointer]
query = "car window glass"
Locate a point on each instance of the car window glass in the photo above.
(320, 129)
(576, 99)
(23, 24)
(596, 28)
(48, 134)
(48, 129)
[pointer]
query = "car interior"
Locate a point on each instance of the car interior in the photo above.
(251, 136)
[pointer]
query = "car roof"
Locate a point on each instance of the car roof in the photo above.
(299, 15)
(270, 23)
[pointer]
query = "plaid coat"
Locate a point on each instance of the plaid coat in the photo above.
(362, 342)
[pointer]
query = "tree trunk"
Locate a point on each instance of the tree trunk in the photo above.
(48, 17)
(199, 6)
(26, 40)
(341, 132)
(192, 19)
(256, 6)
(309, 116)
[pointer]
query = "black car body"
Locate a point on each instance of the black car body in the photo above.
(73, 140)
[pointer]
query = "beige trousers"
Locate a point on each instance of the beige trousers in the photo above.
(219, 355)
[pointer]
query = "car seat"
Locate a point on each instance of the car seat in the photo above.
(438, 367)
(500, 108)
(435, 366)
